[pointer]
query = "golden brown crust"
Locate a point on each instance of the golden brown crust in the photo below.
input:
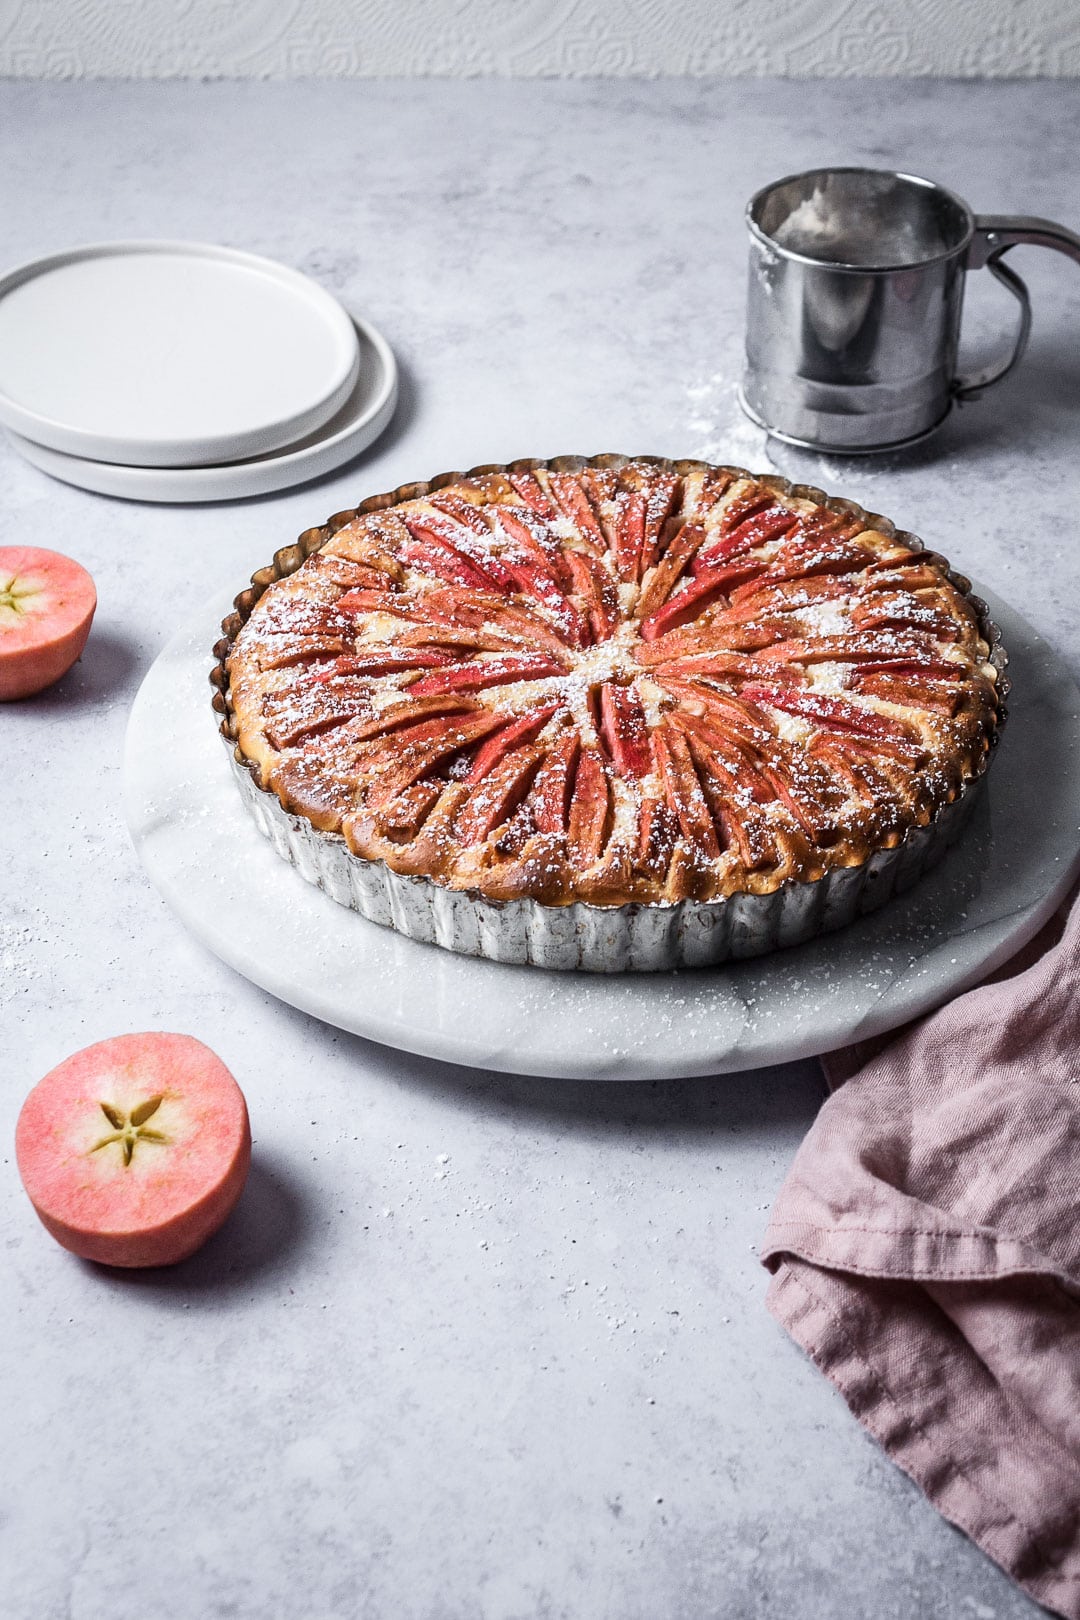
(614, 683)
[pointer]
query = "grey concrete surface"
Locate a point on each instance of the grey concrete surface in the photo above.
(471, 1346)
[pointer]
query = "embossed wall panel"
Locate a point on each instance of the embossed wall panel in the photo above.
(537, 38)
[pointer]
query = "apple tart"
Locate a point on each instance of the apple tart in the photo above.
(610, 712)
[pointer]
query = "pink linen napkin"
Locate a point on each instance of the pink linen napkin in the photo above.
(926, 1255)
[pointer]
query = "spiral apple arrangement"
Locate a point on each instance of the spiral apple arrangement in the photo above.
(612, 684)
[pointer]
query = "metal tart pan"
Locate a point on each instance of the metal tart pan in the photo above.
(600, 939)
(635, 937)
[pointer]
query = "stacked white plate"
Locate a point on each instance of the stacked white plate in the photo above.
(180, 371)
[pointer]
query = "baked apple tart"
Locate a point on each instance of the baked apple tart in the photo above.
(610, 712)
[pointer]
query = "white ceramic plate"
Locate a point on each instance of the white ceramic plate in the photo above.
(358, 423)
(169, 354)
(989, 896)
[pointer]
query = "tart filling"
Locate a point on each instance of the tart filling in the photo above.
(632, 681)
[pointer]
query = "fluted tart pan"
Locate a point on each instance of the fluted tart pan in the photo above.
(671, 918)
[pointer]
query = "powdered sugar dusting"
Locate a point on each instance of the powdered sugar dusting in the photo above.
(685, 694)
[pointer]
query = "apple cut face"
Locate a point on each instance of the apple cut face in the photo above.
(622, 683)
(47, 604)
(135, 1150)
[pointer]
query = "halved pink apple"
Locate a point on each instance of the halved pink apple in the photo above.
(47, 603)
(134, 1150)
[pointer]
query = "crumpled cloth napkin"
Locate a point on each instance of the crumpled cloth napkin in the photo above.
(926, 1255)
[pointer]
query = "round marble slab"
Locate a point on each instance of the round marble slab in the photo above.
(993, 891)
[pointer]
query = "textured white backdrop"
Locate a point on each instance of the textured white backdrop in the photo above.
(531, 38)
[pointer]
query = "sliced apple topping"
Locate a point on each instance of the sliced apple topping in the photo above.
(619, 681)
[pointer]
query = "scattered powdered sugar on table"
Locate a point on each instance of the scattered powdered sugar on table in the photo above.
(717, 429)
(20, 950)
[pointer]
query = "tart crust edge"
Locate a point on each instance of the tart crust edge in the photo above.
(290, 558)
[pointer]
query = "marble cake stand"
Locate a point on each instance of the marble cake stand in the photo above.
(994, 890)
